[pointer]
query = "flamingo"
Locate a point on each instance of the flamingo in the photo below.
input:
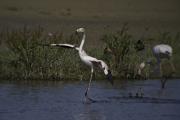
(141, 67)
(89, 61)
(162, 51)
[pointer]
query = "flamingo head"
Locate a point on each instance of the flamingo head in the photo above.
(80, 30)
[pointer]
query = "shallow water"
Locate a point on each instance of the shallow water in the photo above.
(64, 101)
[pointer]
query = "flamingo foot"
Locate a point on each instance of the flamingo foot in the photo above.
(88, 100)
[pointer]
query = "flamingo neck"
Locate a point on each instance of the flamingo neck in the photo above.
(159, 65)
(82, 42)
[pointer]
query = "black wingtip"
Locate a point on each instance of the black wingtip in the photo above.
(109, 77)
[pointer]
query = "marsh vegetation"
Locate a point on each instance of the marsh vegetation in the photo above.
(24, 54)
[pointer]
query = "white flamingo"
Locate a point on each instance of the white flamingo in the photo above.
(141, 67)
(162, 51)
(88, 60)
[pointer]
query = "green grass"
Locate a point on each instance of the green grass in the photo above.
(27, 58)
(23, 54)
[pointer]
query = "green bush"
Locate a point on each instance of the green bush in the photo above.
(27, 57)
(124, 58)
(24, 54)
(119, 43)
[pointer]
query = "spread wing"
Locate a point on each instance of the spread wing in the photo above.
(68, 46)
(65, 46)
(105, 69)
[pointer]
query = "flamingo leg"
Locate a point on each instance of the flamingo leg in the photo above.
(160, 69)
(87, 99)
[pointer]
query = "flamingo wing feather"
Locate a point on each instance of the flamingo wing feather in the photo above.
(105, 69)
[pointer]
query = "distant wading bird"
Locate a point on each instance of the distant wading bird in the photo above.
(140, 68)
(162, 51)
(88, 60)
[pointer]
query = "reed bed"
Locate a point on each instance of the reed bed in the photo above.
(24, 54)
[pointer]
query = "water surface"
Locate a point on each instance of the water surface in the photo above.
(64, 101)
